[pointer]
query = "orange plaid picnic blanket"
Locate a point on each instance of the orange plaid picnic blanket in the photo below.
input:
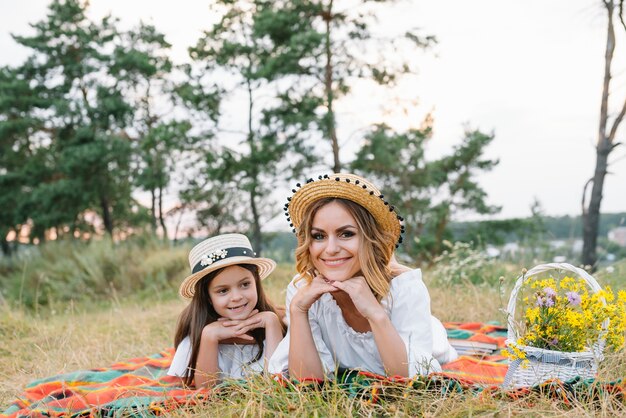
(141, 386)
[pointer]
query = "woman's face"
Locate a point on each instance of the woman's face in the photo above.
(335, 241)
(233, 293)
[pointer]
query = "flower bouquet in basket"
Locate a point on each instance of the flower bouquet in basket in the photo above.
(565, 326)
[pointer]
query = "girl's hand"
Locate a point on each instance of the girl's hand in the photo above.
(307, 295)
(217, 331)
(255, 320)
(362, 297)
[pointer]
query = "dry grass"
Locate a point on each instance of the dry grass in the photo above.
(33, 347)
(37, 345)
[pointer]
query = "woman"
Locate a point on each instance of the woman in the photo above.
(346, 308)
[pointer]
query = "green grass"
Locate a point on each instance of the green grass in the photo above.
(139, 316)
(58, 273)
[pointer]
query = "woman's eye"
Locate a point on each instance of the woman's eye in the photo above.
(347, 234)
(318, 236)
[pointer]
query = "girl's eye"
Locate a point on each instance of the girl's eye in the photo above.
(222, 291)
(245, 285)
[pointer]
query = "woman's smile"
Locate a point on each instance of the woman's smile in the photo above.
(336, 261)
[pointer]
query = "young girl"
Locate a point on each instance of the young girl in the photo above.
(230, 328)
(352, 306)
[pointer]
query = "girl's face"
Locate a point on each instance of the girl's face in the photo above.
(233, 293)
(335, 241)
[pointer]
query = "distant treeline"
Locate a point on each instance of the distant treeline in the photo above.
(280, 245)
(519, 229)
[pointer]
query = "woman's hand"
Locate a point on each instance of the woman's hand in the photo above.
(307, 295)
(362, 297)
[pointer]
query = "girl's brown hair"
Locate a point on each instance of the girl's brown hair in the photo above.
(374, 253)
(200, 312)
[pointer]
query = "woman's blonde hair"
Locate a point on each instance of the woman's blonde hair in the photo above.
(374, 250)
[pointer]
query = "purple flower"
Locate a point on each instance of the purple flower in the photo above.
(554, 341)
(550, 292)
(544, 301)
(573, 298)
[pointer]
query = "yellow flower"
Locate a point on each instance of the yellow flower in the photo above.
(566, 283)
(609, 294)
(574, 318)
(532, 314)
(513, 352)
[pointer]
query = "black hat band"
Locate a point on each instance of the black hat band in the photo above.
(218, 255)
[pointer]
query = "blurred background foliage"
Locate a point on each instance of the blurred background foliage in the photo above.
(98, 115)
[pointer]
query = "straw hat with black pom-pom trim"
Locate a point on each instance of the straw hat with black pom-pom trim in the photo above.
(349, 187)
(219, 252)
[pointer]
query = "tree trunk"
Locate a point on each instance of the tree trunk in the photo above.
(161, 218)
(106, 215)
(328, 86)
(4, 244)
(257, 242)
(591, 217)
(152, 158)
(440, 229)
(591, 213)
(180, 219)
(257, 239)
(153, 221)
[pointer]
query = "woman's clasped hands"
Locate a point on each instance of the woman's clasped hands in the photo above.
(362, 297)
(355, 287)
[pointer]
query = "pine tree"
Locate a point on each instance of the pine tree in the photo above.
(323, 46)
(257, 161)
(427, 193)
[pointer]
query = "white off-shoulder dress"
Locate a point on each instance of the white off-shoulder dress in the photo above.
(234, 361)
(340, 346)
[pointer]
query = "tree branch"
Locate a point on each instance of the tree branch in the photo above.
(615, 145)
(616, 123)
(608, 59)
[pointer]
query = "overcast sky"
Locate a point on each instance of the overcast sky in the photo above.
(530, 71)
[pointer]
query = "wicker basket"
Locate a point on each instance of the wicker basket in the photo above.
(546, 364)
